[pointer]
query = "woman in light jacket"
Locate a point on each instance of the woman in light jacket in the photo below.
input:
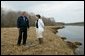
(39, 29)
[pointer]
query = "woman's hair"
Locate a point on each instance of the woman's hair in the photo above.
(38, 16)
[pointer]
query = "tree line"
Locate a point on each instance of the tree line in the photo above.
(9, 18)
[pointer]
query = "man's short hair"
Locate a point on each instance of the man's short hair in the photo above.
(23, 12)
(38, 16)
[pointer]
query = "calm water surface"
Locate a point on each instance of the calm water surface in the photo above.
(74, 33)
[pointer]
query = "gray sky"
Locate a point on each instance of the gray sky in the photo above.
(62, 11)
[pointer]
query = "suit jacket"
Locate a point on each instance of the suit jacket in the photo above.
(21, 23)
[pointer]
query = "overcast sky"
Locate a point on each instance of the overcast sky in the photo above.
(62, 11)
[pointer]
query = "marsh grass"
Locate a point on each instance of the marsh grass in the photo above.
(53, 45)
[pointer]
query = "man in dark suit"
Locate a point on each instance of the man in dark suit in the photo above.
(22, 24)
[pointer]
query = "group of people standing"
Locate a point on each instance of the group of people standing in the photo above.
(23, 26)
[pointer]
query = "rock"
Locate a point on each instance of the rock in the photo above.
(60, 27)
(63, 38)
(71, 45)
(77, 43)
(57, 31)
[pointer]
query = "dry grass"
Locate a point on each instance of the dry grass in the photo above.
(53, 44)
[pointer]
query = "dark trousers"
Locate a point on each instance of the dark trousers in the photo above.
(22, 35)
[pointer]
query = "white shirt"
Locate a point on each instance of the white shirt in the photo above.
(24, 18)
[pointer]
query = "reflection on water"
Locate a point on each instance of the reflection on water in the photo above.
(74, 33)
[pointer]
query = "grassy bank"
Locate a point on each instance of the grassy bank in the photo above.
(53, 44)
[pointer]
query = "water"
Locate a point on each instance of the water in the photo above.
(74, 33)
